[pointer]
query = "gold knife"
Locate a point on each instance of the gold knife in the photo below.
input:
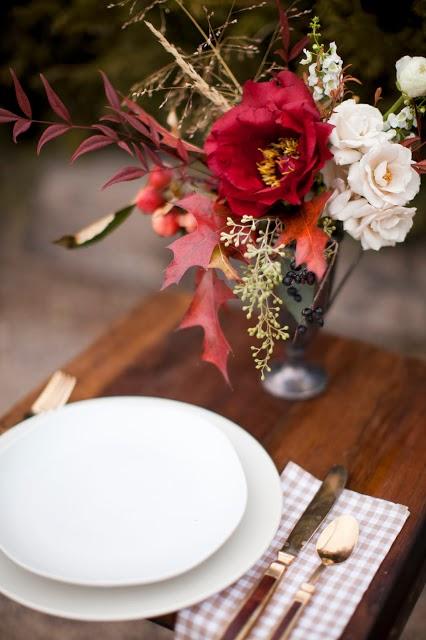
(256, 601)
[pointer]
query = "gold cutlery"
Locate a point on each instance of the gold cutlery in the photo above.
(256, 601)
(55, 394)
(334, 545)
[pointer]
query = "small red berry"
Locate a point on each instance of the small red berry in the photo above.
(160, 178)
(165, 225)
(149, 200)
(187, 221)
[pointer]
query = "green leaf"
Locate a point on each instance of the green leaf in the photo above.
(97, 230)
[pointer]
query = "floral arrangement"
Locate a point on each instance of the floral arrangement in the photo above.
(287, 164)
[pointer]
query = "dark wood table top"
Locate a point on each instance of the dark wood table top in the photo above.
(371, 419)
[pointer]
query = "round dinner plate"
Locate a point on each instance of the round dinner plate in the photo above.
(119, 492)
(246, 544)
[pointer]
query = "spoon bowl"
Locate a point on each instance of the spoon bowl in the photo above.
(338, 540)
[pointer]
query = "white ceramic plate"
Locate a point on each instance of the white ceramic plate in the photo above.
(118, 492)
(249, 541)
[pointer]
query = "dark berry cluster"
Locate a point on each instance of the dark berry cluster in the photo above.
(312, 316)
(297, 275)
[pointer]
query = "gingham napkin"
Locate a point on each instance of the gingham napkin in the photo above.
(340, 587)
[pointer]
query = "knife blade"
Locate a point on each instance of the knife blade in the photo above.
(257, 599)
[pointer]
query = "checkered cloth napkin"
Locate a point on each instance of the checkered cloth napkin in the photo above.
(340, 587)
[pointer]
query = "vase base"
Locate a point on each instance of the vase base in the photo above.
(295, 381)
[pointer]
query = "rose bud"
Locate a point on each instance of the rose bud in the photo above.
(149, 200)
(160, 178)
(165, 225)
(187, 221)
(411, 75)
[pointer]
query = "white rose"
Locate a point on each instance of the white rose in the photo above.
(340, 206)
(374, 228)
(357, 127)
(377, 228)
(335, 179)
(411, 75)
(384, 175)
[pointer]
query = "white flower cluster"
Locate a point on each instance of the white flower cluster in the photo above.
(405, 120)
(325, 71)
(372, 177)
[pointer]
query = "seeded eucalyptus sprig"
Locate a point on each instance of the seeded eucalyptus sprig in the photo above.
(259, 280)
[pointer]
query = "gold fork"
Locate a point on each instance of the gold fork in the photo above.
(55, 394)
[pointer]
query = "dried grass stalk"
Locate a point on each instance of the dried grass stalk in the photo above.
(198, 82)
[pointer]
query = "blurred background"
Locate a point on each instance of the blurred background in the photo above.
(54, 302)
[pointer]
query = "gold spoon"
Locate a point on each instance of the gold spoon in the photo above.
(334, 545)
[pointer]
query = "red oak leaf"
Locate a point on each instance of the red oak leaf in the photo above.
(211, 293)
(194, 249)
(310, 239)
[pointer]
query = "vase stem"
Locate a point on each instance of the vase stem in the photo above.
(295, 379)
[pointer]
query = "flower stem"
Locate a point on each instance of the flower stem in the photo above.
(345, 278)
(395, 107)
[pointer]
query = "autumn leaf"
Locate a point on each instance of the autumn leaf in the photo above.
(91, 144)
(52, 132)
(55, 102)
(211, 293)
(20, 126)
(21, 96)
(220, 260)
(127, 174)
(97, 230)
(194, 249)
(111, 94)
(310, 239)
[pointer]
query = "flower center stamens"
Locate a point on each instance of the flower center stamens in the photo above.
(278, 160)
(388, 176)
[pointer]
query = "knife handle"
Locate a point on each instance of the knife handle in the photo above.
(257, 599)
(285, 626)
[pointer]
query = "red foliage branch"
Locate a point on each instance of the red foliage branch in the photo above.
(288, 52)
(132, 130)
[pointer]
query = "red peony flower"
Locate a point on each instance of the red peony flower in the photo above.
(269, 147)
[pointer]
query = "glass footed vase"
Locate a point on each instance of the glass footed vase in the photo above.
(293, 377)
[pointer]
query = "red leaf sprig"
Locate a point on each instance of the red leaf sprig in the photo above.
(21, 96)
(55, 102)
(288, 52)
(129, 127)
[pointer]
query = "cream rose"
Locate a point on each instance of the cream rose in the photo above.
(357, 127)
(384, 176)
(374, 228)
(411, 75)
(377, 228)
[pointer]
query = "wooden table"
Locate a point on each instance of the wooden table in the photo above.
(371, 419)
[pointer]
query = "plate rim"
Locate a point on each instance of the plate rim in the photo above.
(229, 428)
(122, 583)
